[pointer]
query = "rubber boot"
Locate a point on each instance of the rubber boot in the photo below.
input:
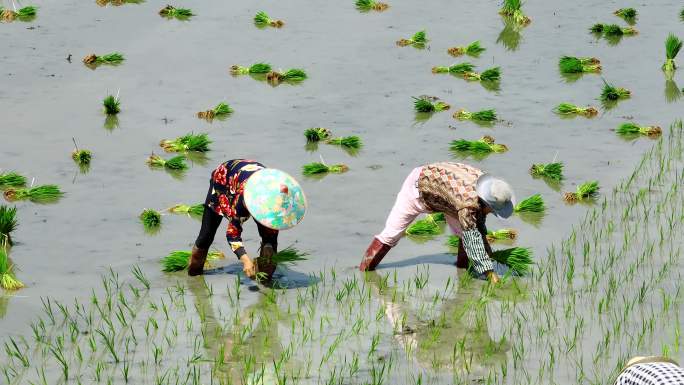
(374, 254)
(197, 259)
(462, 258)
(264, 264)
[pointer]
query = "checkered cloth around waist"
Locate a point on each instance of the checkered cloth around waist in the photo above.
(654, 373)
(449, 187)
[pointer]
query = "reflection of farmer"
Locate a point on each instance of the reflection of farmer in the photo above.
(464, 194)
(651, 371)
(240, 189)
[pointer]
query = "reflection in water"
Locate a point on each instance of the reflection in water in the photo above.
(4, 302)
(672, 91)
(111, 122)
(510, 36)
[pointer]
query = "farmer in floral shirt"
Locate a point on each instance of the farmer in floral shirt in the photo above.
(240, 189)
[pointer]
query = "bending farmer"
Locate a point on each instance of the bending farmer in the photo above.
(464, 194)
(240, 189)
(651, 371)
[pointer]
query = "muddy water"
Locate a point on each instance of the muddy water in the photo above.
(360, 83)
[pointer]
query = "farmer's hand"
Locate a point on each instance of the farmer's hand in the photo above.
(493, 277)
(248, 266)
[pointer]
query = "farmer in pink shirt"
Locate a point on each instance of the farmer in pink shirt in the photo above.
(464, 194)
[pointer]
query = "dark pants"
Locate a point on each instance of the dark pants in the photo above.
(211, 222)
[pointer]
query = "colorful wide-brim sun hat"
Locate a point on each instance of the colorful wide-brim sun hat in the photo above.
(275, 199)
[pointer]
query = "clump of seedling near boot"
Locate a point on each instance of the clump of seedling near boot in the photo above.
(321, 169)
(111, 104)
(572, 110)
(627, 14)
(455, 69)
(114, 58)
(501, 235)
(611, 94)
(171, 12)
(513, 9)
(483, 117)
(482, 146)
(289, 256)
(254, 69)
(222, 110)
(431, 225)
(551, 171)
(292, 76)
(532, 204)
(25, 14)
(579, 65)
(11, 179)
(429, 104)
(176, 163)
(585, 191)
(48, 193)
(633, 130)
(370, 5)
(193, 211)
(519, 259)
(179, 260)
(189, 142)
(8, 223)
(8, 281)
(473, 49)
(672, 47)
(82, 157)
(151, 220)
(418, 40)
(262, 20)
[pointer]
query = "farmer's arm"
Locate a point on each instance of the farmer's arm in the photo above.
(234, 237)
(474, 243)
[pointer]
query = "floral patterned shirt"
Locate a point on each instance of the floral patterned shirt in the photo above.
(226, 198)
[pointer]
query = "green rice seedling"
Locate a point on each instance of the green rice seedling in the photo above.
(553, 171)
(431, 225)
(194, 210)
(501, 235)
(48, 193)
(627, 14)
(256, 68)
(456, 69)
(289, 256)
(151, 219)
(519, 259)
(419, 39)
(349, 142)
(179, 260)
(429, 104)
(513, 9)
(317, 134)
(473, 49)
(610, 93)
(368, 5)
(616, 30)
(490, 75)
(672, 46)
(11, 179)
(294, 75)
(112, 105)
(320, 168)
(176, 163)
(532, 204)
(188, 142)
(8, 223)
(7, 279)
(573, 65)
(27, 13)
(569, 109)
(261, 19)
(484, 145)
(178, 13)
(81, 157)
(453, 241)
(221, 110)
(111, 58)
(583, 192)
(481, 116)
(597, 28)
(633, 129)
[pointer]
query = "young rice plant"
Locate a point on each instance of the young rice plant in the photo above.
(179, 260)
(254, 69)
(371, 5)
(583, 192)
(48, 193)
(8, 223)
(221, 110)
(574, 65)
(188, 142)
(473, 49)
(419, 39)
(176, 163)
(633, 129)
(261, 19)
(429, 226)
(428, 104)
(532, 204)
(484, 145)
(151, 219)
(569, 109)
(552, 171)
(11, 179)
(672, 47)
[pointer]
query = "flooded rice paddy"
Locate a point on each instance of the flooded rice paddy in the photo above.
(607, 281)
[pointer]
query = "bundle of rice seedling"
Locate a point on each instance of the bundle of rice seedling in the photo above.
(454, 241)
(584, 191)
(172, 12)
(111, 58)
(672, 47)
(628, 14)
(484, 145)
(519, 259)
(367, 5)
(112, 105)
(82, 157)
(418, 39)
(571, 109)
(501, 235)
(316, 134)
(349, 142)
(429, 104)
(175, 163)
(151, 219)
(261, 19)
(7, 279)
(632, 129)
(460, 69)
(432, 224)
(257, 68)
(319, 168)
(222, 109)
(574, 65)
(179, 260)
(490, 75)
(481, 116)
(610, 93)
(194, 210)
(294, 75)
(188, 142)
(23, 14)
(11, 179)
(473, 49)
(613, 30)
(553, 171)
(532, 204)
(289, 256)
(513, 9)
(42, 194)
(8, 223)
